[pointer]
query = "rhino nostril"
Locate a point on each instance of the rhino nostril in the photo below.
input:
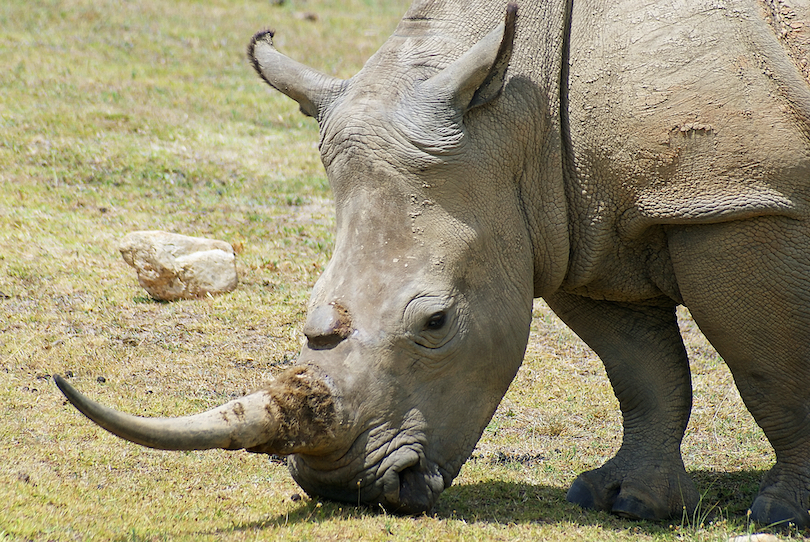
(327, 326)
(322, 342)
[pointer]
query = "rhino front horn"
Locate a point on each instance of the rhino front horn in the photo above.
(296, 413)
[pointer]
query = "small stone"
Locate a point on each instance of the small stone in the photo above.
(761, 537)
(306, 16)
(172, 266)
(101, 379)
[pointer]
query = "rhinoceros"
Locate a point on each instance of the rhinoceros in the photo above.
(615, 158)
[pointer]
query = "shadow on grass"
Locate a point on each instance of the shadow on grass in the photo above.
(725, 494)
(148, 300)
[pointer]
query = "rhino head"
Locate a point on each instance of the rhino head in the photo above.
(420, 321)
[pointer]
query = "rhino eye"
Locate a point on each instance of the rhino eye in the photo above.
(436, 321)
(431, 321)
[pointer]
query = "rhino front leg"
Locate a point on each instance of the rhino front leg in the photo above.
(747, 284)
(646, 362)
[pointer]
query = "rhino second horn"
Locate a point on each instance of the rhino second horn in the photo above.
(295, 413)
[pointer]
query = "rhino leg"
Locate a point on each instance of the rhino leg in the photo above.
(646, 362)
(747, 285)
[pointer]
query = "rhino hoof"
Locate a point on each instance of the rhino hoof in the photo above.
(632, 507)
(585, 494)
(580, 494)
(626, 501)
(772, 512)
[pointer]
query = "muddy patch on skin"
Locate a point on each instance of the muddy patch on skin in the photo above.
(790, 20)
(302, 411)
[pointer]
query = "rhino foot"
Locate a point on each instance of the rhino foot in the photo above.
(774, 512)
(782, 501)
(649, 493)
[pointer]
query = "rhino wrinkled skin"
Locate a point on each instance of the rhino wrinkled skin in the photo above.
(615, 158)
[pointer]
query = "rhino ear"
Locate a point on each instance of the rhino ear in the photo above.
(477, 77)
(313, 90)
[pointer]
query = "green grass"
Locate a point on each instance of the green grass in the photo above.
(118, 116)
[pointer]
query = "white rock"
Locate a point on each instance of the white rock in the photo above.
(761, 537)
(172, 266)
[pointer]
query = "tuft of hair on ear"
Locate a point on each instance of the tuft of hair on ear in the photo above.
(263, 35)
(264, 32)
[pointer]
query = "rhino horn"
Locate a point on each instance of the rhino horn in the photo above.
(477, 77)
(313, 90)
(295, 413)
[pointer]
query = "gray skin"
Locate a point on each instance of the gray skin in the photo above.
(617, 160)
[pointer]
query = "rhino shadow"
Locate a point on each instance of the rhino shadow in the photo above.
(725, 495)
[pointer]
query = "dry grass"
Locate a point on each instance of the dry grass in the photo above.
(117, 116)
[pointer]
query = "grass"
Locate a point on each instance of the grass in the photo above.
(118, 116)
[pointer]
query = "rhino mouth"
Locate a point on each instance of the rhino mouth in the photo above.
(404, 481)
(412, 485)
